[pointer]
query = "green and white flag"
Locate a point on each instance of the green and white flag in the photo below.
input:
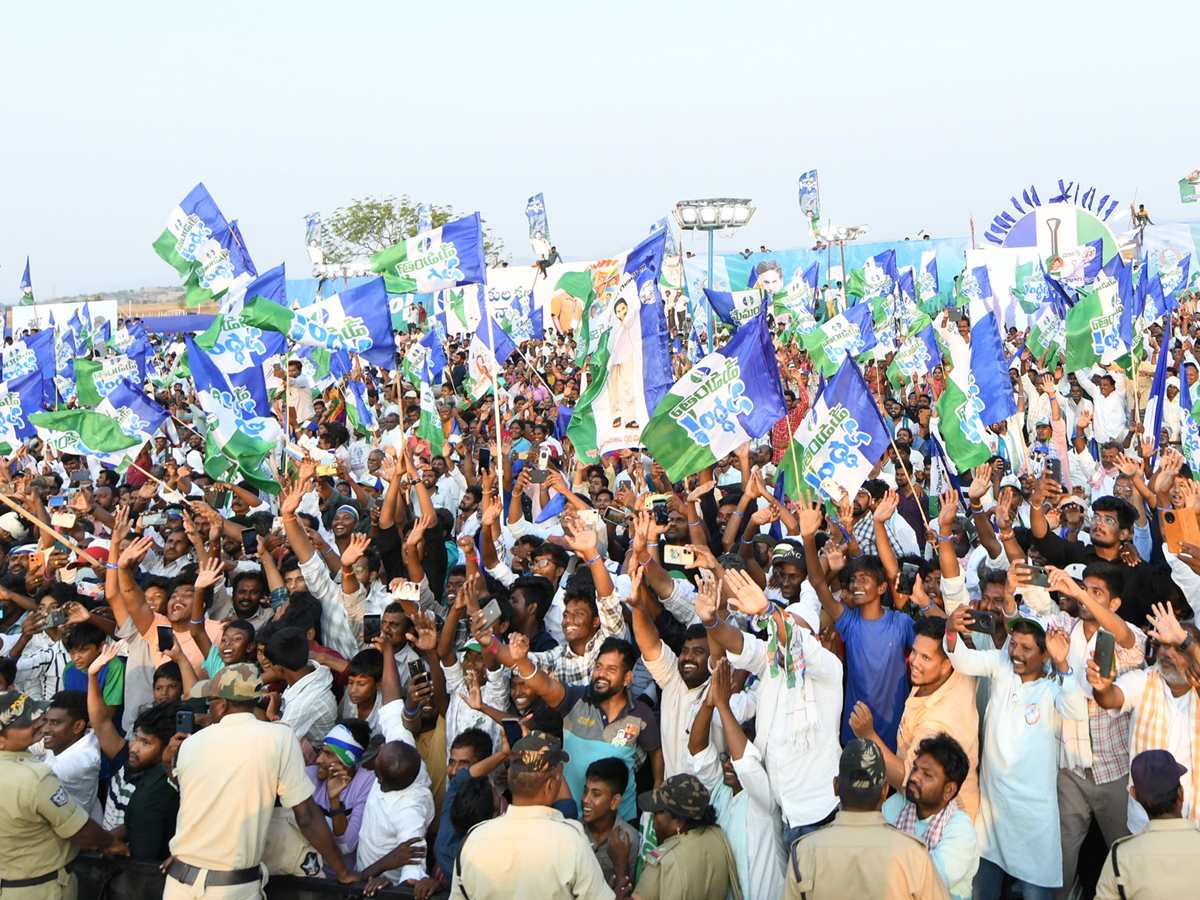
(1094, 327)
(96, 380)
(230, 453)
(1187, 188)
(1030, 289)
(429, 426)
(630, 368)
(81, 431)
(727, 398)
(961, 423)
(435, 260)
(1047, 335)
(579, 285)
(850, 333)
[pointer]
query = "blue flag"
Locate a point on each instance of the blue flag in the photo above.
(33, 354)
(735, 307)
(989, 372)
(663, 224)
(136, 414)
(26, 286)
(243, 392)
(20, 398)
(810, 196)
(1158, 393)
(424, 217)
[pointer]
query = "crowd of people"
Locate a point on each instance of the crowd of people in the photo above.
(500, 672)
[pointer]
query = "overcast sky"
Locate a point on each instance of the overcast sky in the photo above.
(915, 114)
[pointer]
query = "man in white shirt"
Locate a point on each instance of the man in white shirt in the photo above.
(72, 750)
(399, 810)
(1108, 403)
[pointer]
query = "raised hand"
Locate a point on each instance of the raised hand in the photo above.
(518, 646)
(862, 723)
(746, 595)
(696, 493)
(131, 557)
(708, 597)
(721, 686)
(425, 637)
(1164, 626)
(810, 520)
(473, 697)
(107, 654)
(359, 543)
(981, 483)
(886, 506)
(209, 572)
(1058, 644)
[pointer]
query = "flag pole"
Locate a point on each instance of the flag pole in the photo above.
(495, 399)
(134, 465)
(46, 529)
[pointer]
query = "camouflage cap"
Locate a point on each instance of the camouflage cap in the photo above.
(537, 752)
(683, 796)
(19, 710)
(240, 683)
(861, 765)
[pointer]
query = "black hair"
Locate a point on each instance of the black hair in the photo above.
(695, 632)
(932, 627)
(241, 625)
(367, 664)
(168, 670)
(160, 581)
(158, 720)
(337, 433)
(445, 520)
(629, 654)
(303, 600)
(949, 754)
(732, 497)
(8, 671)
(581, 590)
(290, 562)
(288, 649)
(732, 561)
(476, 492)
(474, 803)
(296, 618)
(1025, 627)
(611, 771)
(85, 634)
(919, 561)
(241, 576)
(359, 730)
(708, 819)
(537, 590)
(988, 575)
(876, 487)
(477, 739)
(1111, 574)
(868, 565)
(1159, 805)
(558, 555)
(73, 702)
(1126, 514)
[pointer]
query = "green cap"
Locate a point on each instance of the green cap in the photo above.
(683, 796)
(19, 710)
(861, 765)
(537, 752)
(238, 683)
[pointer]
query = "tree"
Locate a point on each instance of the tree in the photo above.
(366, 226)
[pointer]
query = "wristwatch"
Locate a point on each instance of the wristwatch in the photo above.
(1184, 644)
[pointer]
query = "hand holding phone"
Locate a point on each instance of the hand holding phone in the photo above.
(185, 722)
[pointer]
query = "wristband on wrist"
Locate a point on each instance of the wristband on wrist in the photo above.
(1007, 535)
(926, 608)
(1065, 674)
(746, 542)
(199, 621)
(1185, 643)
(736, 513)
(595, 558)
(715, 623)
(694, 524)
(412, 714)
(111, 566)
(948, 537)
(327, 551)
(492, 647)
(976, 508)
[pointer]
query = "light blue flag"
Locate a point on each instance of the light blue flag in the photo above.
(989, 372)
(244, 393)
(927, 281)
(848, 334)
(976, 285)
(918, 354)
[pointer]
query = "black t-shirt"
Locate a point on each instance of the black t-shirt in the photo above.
(1135, 595)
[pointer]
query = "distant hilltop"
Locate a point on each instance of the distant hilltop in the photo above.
(147, 296)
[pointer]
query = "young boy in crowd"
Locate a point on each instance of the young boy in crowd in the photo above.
(603, 787)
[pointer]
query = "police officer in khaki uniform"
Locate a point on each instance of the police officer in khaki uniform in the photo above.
(859, 854)
(1164, 860)
(229, 776)
(41, 827)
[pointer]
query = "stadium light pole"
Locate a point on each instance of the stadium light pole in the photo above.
(712, 215)
(839, 236)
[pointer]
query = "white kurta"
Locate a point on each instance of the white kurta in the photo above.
(1018, 768)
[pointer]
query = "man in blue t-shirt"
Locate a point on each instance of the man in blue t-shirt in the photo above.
(877, 642)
